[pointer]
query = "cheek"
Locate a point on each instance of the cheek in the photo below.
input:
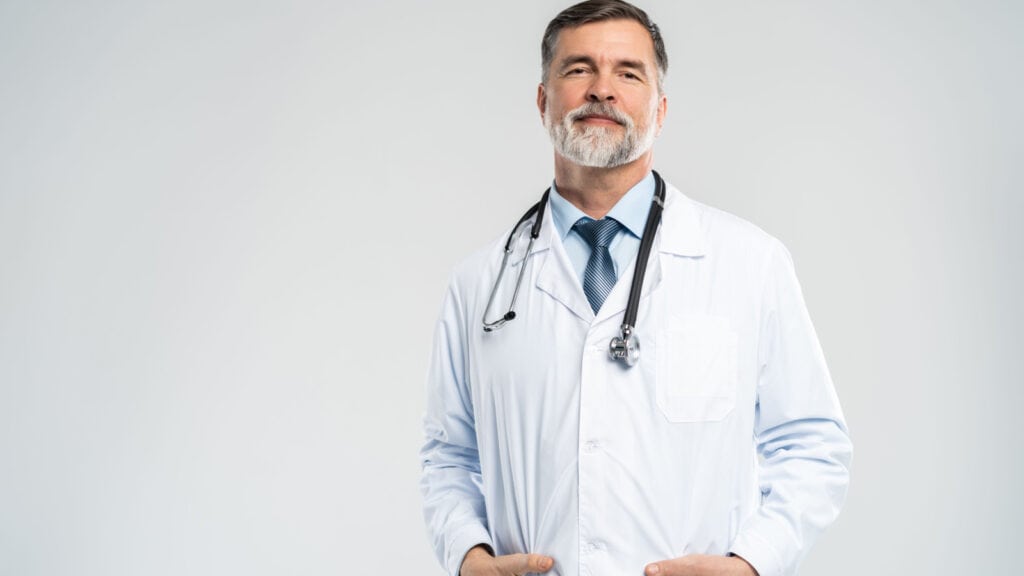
(555, 113)
(654, 111)
(565, 98)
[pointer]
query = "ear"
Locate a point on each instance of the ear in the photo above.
(542, 100)
(662, 109)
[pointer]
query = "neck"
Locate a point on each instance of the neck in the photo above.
(596, 190)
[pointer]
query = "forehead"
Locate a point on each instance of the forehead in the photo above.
(607, 39)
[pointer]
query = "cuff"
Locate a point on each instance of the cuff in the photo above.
(759, 553)
(461, 543)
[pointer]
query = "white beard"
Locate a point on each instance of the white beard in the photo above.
(600, 146)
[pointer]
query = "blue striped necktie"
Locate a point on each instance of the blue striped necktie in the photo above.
(599, 275)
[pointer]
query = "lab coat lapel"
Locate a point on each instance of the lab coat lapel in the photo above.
(679, 234)
(556, 276)
(618, 298)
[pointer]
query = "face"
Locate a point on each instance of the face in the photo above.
(601, 103)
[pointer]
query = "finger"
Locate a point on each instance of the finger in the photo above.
(525, 563)
(673, 567)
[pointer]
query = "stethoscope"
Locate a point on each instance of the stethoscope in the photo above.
(625, 347)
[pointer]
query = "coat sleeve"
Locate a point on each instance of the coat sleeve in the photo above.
(802, 439)
(453, 504)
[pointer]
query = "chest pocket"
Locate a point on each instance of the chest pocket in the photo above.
(697, 369)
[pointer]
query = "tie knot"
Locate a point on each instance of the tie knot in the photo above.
(597, 233)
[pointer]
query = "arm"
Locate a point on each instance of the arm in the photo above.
(800, 430)
(453, 504)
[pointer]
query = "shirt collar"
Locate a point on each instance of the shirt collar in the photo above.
(630, 210)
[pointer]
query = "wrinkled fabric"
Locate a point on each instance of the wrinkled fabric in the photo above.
(726, 437)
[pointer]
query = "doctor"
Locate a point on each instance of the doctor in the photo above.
(722, 451)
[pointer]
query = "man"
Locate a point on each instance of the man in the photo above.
(723, 451)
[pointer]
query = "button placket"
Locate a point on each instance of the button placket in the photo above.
(592, 473)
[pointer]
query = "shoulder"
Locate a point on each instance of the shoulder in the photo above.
(714, 229)
(719, 225)
(472, 272)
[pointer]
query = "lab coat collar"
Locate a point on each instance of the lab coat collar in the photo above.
(558, 279)
(680, 232)
(556, 276)
(548, 234)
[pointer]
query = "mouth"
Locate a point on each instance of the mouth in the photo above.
(598, 120)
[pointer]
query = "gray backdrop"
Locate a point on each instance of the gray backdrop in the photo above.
(226, 227)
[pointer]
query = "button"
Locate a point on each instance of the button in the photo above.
(591, 446)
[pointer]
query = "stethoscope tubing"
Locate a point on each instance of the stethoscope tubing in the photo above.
(537, 209)
(624, 347)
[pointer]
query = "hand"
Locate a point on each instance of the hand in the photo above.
(701, 565)
(480, 562)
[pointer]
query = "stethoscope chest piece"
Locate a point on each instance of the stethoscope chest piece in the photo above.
(625, 348)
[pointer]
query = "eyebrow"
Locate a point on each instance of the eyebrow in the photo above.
(584, 59)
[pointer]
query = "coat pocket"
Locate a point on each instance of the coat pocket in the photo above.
(697, 369)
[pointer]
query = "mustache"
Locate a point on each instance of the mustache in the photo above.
(599, 109)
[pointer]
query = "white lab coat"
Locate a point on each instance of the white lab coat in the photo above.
(727, 436)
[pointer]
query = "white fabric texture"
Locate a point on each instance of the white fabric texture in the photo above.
(726, 437)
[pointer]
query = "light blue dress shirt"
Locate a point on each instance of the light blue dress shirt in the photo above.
(630, 211)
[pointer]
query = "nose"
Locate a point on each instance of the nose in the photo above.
(600, 90)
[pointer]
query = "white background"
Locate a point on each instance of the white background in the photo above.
(225, 230)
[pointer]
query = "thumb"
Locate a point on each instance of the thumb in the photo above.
(666, 568)
(525, 563)
(682, 566)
